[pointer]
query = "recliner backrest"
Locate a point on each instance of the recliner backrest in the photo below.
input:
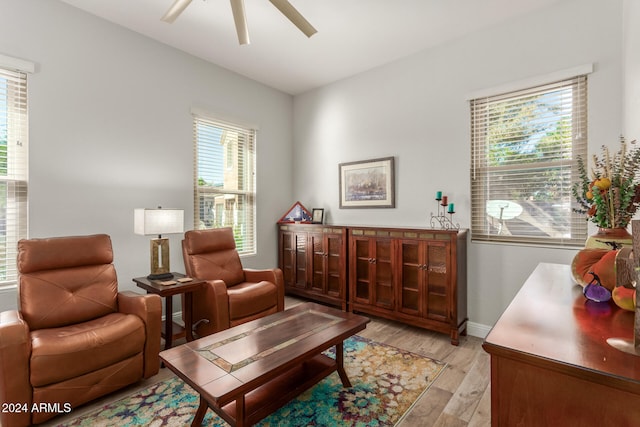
(211, 254)
(66, 280)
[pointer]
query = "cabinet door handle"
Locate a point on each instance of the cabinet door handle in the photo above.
(373, 261)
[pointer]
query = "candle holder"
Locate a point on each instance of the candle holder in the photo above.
(440, 218)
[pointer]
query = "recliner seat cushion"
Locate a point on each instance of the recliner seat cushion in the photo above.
(59, 354)
(247, 299)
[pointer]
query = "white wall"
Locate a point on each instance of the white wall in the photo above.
(111, 130)
(631, 96)
(416, 110)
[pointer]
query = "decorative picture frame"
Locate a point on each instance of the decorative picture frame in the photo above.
(296, 213)
(317, 216)
(367, 184)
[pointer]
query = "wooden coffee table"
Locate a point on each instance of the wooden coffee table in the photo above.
(247, 372)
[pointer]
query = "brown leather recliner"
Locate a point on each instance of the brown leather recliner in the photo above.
(74, 337)
(232, 295)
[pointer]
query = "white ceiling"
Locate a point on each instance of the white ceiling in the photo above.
(353, 35)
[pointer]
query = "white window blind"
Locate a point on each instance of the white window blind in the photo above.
(225, 192)
(524, 150)
(13, 170)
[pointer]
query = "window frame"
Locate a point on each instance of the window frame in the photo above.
(245, 153)
(14, 113)
(480, 170)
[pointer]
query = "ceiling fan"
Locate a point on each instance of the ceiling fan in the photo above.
(237, 7)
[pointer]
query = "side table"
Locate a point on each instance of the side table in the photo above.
(166, 289)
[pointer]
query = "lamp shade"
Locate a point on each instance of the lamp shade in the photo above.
(158, 221)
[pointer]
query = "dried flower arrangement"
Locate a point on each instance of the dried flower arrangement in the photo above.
(610, 194)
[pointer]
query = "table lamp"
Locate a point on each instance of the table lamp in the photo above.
(158, 222)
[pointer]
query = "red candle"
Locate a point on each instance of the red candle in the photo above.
(444, 201)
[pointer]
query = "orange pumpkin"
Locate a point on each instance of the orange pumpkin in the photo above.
(600, 261)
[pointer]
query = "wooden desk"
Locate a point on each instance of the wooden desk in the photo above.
(167, 292)
(551, 364)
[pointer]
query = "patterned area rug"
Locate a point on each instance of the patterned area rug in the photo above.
(386, 383)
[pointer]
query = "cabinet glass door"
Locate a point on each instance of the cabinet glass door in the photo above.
(437, 268)
(287, 257)
(411, 279)
(301, 260)
(334, 260)
(384, 277)
(318, 259)
(361, 253)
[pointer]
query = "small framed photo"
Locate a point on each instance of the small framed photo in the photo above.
(317, 216)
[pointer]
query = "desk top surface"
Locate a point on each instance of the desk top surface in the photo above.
(550, 321)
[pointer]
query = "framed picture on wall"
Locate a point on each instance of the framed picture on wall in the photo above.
(317, 216)
(367, 184)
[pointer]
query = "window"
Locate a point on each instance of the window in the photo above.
(225, 179)
(524, 150)
(13, 170)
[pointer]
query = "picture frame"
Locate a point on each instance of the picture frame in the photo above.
(297, 213)
(367, 184)
(317, 216)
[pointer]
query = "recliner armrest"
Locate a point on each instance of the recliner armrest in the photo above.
(212, 304)
(273, 275)
(15, 350)
(149, 309)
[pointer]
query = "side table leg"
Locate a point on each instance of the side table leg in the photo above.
(188, 315)
(168, 321)
(202, 409)
(340, 362)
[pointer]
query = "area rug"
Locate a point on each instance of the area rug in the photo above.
(386, 381)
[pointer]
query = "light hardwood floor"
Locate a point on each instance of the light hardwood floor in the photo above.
(460, 397)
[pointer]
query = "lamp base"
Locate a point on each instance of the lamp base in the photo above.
(162, 276)
(160, 260)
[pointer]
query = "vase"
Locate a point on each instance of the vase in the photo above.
(609, 238)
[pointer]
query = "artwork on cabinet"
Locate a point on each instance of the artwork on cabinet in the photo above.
(367, 184)
(317, 216)
(296, 213)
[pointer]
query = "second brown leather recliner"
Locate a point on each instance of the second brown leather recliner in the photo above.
(233, 295)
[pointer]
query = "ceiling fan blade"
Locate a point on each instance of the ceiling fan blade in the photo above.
(175, 10)
(294, 16)
(237, 7)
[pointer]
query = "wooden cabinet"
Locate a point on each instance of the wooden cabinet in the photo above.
(415, 276)
(551, 364)
(313, 260)
(410, 275)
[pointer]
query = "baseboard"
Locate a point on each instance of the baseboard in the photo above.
(177, 317)
(478, 330)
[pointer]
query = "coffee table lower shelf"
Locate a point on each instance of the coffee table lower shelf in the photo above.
(266, 399)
